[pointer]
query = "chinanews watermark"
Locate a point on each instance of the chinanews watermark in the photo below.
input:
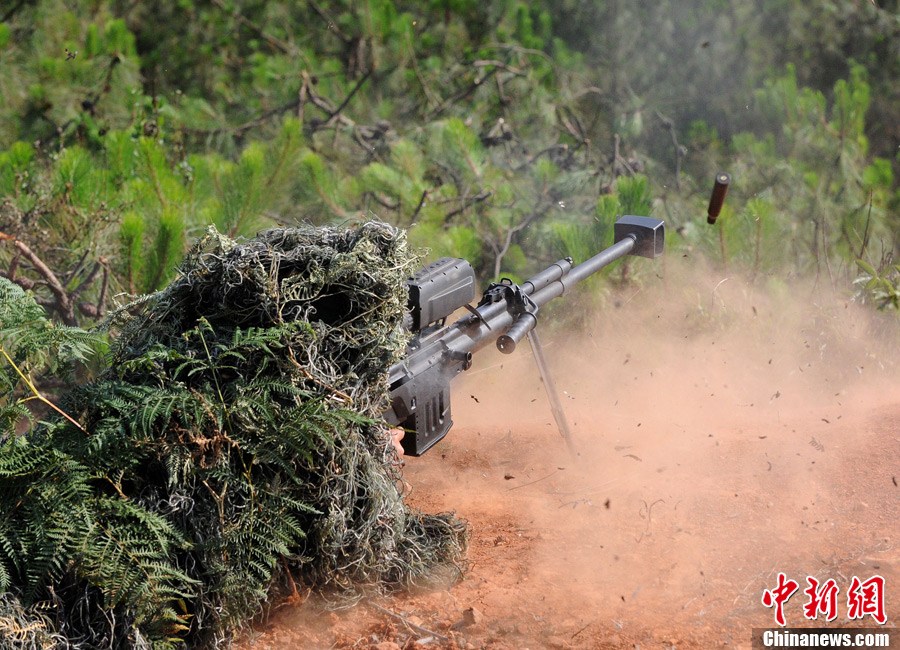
(821, 637)
(862, 603)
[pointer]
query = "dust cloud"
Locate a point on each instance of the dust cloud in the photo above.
(728, 430)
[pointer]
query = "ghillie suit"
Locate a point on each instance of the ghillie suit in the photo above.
(234, 436)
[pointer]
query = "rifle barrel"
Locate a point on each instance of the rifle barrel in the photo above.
(551, 274)
(587, 268)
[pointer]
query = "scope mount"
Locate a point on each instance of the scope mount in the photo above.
(523, 309)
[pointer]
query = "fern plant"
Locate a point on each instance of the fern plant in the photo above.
(32, 346)
(53, 517)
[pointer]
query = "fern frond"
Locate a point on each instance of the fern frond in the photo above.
(34, 341)
(129, 556)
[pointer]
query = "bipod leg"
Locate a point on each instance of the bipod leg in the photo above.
(550, 386)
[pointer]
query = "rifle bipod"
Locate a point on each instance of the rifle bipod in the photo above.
(550, 386)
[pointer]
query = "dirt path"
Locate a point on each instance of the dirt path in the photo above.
(719, 447)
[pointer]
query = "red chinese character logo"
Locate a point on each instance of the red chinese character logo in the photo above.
(779, 596)
(821, 600)
(866, 598)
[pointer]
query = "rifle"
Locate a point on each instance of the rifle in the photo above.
(506, 313)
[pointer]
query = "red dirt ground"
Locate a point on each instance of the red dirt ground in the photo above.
(724, 438)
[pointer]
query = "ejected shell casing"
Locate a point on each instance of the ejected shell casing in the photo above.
(720, 189)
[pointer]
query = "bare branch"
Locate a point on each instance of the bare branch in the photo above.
(415, 214)
(25, 283)
(98, 310)
(483, 63)
(63, 303)
(384, 202)
(268, 38)
(680, 150)
(331, 22)
(462, 94)
(13, 267)
(346, 101)
(483, 195)
(88, 280)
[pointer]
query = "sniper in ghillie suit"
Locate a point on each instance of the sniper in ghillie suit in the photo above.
(232, 450)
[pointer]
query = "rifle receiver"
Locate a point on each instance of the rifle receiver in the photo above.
(438, 290)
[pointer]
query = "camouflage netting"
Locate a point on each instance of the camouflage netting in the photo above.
(236, 436)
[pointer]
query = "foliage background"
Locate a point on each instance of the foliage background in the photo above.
(506, 132)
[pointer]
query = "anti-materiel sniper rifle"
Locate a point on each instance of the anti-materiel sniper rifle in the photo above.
(506, 313)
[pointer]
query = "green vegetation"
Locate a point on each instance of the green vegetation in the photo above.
(505, 132)
(497, 131)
